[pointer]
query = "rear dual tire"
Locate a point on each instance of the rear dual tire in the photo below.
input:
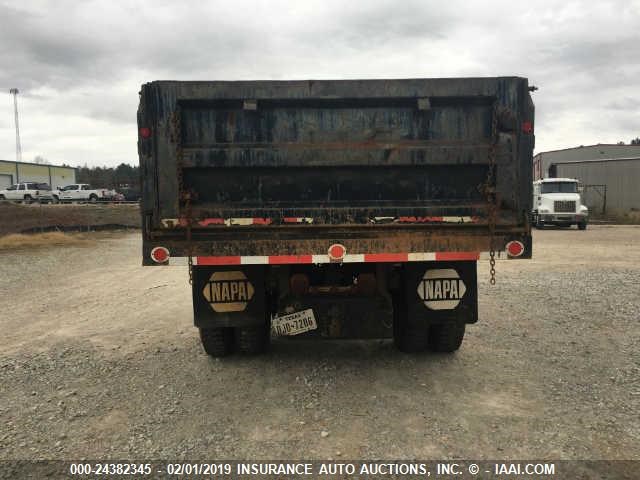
(407, 338)
(217, 342)
(446, 337)
(410, 337)
(443, 338)
(221, 342)
(252, 340)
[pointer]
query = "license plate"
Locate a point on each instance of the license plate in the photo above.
(294, 323)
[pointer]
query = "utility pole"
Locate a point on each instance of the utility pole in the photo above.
(14, 92)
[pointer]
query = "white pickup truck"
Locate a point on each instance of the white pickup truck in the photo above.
(83, 192)
(556, 201)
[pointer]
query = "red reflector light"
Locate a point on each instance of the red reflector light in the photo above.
(515, 248)
(145, 132)
(337, 251)
(527, 127)
(160, 254)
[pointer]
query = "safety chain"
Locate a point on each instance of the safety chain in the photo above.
(189, 244)
(183, 196)
(490, 192)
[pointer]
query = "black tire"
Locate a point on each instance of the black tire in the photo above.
(446, 337)
(28, 199)
(252, 340)
(582, 226)
(93, 198)
(55, 199)
(407, 338)
(217, 342)
(2, 199)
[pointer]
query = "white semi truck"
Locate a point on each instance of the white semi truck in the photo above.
(556, 201)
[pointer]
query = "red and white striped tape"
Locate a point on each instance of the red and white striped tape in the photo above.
(316, 259)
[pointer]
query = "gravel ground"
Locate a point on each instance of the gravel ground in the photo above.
(99, 359)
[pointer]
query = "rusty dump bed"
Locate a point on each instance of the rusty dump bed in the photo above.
(264, 168)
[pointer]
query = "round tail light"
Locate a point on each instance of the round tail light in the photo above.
(160, 255)
(515, 248)
(337, 252)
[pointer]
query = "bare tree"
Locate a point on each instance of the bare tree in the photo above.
(40, 160)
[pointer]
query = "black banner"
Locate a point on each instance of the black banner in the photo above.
(360, 469)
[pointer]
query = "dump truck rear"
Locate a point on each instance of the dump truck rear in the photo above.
(335, 209)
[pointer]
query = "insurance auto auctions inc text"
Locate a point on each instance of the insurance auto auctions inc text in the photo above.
(377, 469)
(332, 469)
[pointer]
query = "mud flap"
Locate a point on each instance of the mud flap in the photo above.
(229, 296)
(437, 292)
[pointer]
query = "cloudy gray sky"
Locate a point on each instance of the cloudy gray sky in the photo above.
(79, 65)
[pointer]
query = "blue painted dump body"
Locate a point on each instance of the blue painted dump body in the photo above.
(384, 165)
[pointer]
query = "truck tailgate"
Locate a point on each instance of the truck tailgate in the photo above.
(381, 166)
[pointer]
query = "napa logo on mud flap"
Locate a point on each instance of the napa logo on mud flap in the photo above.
(441, 289)
(228, 291)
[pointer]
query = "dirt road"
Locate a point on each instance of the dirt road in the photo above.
(99, 359)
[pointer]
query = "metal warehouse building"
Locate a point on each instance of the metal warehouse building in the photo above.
(15, 172)
(610, 174)
(543, 161)
(610, 185)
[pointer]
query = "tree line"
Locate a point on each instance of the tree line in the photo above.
(109, 177)
(634, 141)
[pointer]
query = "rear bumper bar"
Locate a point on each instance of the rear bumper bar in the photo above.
(562, 217)
(320, 259)
(275, 246)
(324, 259)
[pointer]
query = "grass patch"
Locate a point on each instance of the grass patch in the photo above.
(18, 241)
